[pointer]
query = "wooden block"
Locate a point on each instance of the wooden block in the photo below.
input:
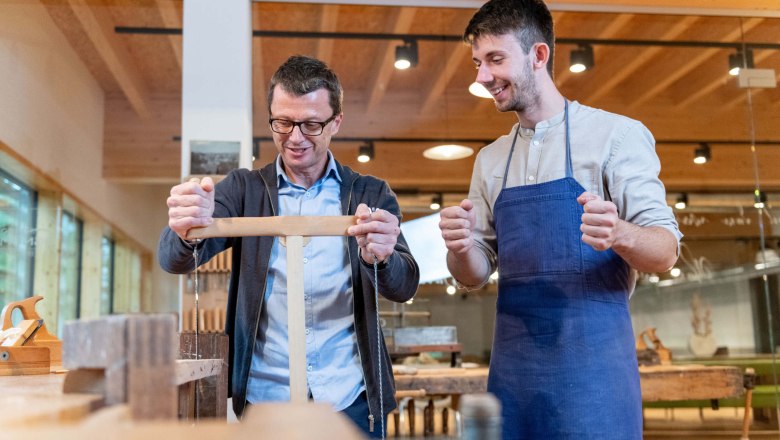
(99, 344)
(18, 361)
(296, 320)
(151, 356)
(211, 391)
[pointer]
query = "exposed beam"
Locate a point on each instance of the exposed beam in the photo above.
(328, 22)
(612, 29)
(681, 70)
(99, 27)
(637, 60)
(437, 86)
(383, 70)
(726, 8)
(171, 18)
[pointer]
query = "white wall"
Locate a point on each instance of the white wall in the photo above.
(51, 114)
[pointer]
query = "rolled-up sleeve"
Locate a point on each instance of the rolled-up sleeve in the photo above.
(633, 183)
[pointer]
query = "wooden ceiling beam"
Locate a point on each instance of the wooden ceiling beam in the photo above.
(328, 23)
(458, 56)
(171, 18)
(681, 70)
(728, 8)
(610, 31)
(99, 27)
(637, 60)
(401, 20)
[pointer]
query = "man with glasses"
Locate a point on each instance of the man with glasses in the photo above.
(304, 101)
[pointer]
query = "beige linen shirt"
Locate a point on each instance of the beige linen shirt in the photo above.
(612, 156)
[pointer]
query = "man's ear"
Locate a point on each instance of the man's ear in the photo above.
(541, 55)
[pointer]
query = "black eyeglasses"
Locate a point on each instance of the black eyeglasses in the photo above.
(309, 128)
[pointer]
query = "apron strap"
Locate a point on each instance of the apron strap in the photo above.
(569, 167)
(509, 159)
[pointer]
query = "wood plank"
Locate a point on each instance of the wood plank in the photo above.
(665, 382)
(306, 226)
(296, 320)
(188, 370)
(690, 382)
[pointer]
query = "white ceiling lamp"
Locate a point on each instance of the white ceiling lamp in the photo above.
(479, 90)
(448, 152)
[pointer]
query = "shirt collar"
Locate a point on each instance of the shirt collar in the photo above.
(330, 170)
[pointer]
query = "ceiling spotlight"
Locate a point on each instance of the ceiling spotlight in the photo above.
(366, 152)
(653, 278)
(581, 59)
(675, 272)
(739, 60)
(451, 290)
(479, 90)
(759, 199)
(406, 55)
(436, 202)
(682, 201)
(701, 154)
(448, 152)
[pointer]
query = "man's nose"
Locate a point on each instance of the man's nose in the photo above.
(296, 135)
(484, 76)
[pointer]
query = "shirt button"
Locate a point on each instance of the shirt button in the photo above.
(309, 368)
(307, 331)
(536, 142)
(305, 260)
(306, 297)
(531, 178)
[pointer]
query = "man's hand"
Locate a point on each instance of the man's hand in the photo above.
(457, 224)
(599, 222)
(190, 205)
(376, 233)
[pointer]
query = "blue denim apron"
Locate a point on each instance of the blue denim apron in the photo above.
(563, 363)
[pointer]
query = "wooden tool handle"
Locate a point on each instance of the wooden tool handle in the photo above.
(305, 226)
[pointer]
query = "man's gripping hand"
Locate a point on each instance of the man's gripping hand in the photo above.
(457, 225)
(191, 205)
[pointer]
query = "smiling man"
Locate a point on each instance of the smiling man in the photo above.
(304, 101)
(567, 207)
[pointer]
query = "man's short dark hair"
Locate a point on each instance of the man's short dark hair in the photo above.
(301, 75)
(529, 20)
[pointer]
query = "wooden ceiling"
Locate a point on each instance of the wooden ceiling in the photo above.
(680, 93)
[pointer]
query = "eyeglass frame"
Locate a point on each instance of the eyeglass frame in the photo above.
(300, 125)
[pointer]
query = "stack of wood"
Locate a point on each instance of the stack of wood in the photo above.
(209, 321)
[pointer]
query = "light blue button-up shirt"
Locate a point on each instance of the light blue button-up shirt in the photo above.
(333, 369)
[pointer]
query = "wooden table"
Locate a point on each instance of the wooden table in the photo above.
(662, 382)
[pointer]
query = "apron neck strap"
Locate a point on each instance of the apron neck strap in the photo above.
(569, 167)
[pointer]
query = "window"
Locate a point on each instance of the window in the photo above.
(17, 239)
(70, 269)
(107, 277)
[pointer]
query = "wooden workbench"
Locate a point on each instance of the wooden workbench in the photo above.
(662, 382)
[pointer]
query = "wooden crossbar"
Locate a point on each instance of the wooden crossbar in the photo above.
(305, 226)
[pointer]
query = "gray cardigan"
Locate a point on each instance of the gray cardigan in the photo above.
(245, 193)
